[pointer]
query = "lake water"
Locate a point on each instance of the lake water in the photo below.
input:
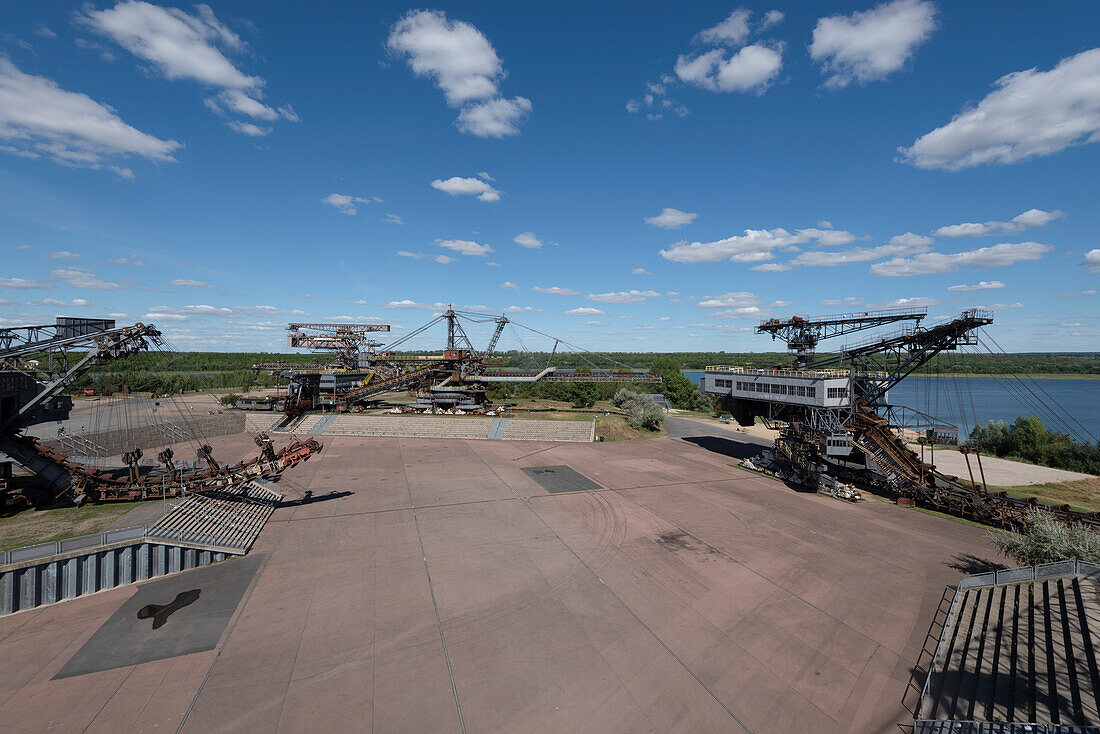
(966, 401)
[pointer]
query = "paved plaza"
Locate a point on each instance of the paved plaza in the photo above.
(434, 585)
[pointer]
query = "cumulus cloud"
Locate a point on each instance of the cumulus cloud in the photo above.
(466, 247)
(819, 258)
(406, 253)
(1029, 114)
(185, 283)
(555, 291)
(1092, 261)
(249, 129)
(528, 240)
(494, 118)
(914, 302)
(521, 309)
(39, 118)
(393, 219)
(84, 278)
(755, 245)
(23, 283)
(751, 69)
(584, 311)
(671, 219)
(509, 286)
(63, 255)
(458, 186)
(733, 31)
(182, 46)
(639, 271)
(1020, 222)
(630, 296)
(984, 257)
(443, 259)
(868, 45)
(911, 239)
(985, 285)
(771, 267)
(463, 64)
(345, 203)
(739, 299)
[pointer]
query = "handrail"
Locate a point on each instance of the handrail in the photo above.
(784, 372)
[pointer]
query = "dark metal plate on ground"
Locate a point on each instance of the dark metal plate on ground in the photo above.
(176, 615)
(555, 479)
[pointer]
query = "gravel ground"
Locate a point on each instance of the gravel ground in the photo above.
(1000, 472)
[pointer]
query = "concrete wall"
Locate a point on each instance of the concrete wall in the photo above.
(49, 580)
(121, 440)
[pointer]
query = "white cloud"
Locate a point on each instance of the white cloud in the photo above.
(84, 278)
(985, 257)
(915, 302)
(911, 239)
(63, 255)
(1029, 114)
(1089, 292)
(179, 45)
(247, 128)
(671, 219)
(868, 45)
(1092, 261)
(751, 69)
(21, 247)
(732, 31)
(38, 118)
(344, 203)
(739, 299)
(76, 302)
(555, 291)
(463, 64)
(188, 47)
(493, 265)
(23, 283)
(509, 286)
(443, 259)
(585, 311)
(44, 31)
(639, 271)
(771, 267)
(772, 17)
(985, 285)
(753, 246)
(1005, 306)
(466, 247)
(183, 282)
(595, 323)
(521, 309)
(630, 296)
(393, 219)
(1020, 222)
(458, 186)
(155, 316)
(528, 240)
(495, 118)
(406, 253)
(820, 258)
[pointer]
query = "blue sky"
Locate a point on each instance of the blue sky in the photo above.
(648, 177)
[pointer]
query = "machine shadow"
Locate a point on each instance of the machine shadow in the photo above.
(725, 447)
(309, 498)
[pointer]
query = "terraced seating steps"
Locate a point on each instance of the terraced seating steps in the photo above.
(1021, 652)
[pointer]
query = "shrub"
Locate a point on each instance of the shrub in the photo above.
(1047, 540)
(229, 399)
(645, 414)
(624, 398)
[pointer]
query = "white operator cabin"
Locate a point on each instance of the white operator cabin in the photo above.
(811, 388)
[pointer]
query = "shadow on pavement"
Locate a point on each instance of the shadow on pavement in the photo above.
(309, 498)
(724, 446)
(970, 564)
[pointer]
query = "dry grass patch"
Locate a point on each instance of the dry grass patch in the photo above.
(1083, 494)
(31, 527)
(615, 428)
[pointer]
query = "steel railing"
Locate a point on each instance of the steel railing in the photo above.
(994, 578)
(792, 373)
(109, 537)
